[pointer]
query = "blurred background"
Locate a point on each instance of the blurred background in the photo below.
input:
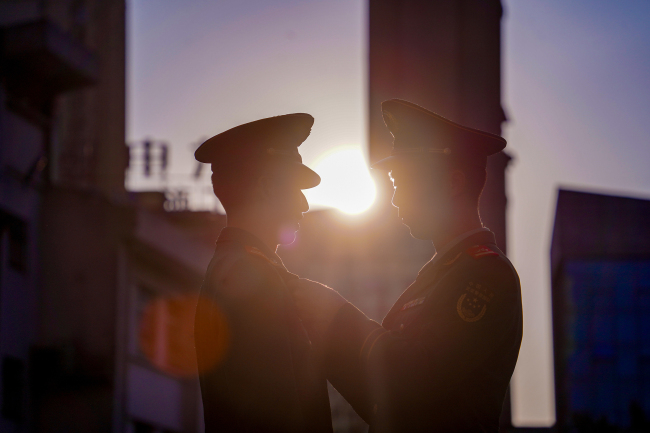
(107, 223)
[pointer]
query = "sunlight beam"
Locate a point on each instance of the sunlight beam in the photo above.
(346, 182)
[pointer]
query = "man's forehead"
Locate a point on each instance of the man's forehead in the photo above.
(284, 174)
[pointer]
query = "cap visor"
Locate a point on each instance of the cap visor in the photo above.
(307, 178)
(204, 152)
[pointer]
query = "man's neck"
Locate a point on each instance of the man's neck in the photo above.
(457, 228)
(255, 227)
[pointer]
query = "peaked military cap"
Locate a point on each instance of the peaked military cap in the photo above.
(418, 132)
(274, 139)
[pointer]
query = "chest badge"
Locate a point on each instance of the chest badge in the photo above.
(472, 304)
(413, 303)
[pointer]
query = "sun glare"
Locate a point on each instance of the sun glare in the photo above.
(346, 182)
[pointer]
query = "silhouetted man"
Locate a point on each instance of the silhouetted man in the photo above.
(442, 358)
(265, 377)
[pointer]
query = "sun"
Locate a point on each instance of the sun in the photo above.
(346, 182)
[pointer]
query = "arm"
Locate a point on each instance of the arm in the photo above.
(368, 363)
(438, 357)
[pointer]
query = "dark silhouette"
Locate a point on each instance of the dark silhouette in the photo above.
(584, 422)
(443, 357)
(269, 379)
(638, 420)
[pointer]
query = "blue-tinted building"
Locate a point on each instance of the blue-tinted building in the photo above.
(600, 258)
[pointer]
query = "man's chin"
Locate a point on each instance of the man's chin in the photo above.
(288, 233)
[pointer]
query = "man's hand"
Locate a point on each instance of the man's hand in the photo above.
(317, 304)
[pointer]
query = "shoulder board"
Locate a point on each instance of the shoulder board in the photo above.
(256, 252)
(478, 251)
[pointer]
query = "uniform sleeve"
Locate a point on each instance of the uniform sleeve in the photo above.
(440, 356)
(254, 381)
(347, 334)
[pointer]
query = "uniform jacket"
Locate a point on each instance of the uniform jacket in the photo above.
(269, 379)
(442, 359)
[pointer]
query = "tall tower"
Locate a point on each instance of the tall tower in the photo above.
(445, 56)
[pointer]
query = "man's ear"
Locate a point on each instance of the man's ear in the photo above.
(264, 187)
(458, 181)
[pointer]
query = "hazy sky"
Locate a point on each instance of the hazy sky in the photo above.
(198, 67)
(576, 90)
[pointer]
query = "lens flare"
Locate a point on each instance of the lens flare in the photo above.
(167, 331)
(346, 182)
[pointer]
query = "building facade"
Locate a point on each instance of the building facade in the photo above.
(600, 272)
(82, 261)
(43, 63)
